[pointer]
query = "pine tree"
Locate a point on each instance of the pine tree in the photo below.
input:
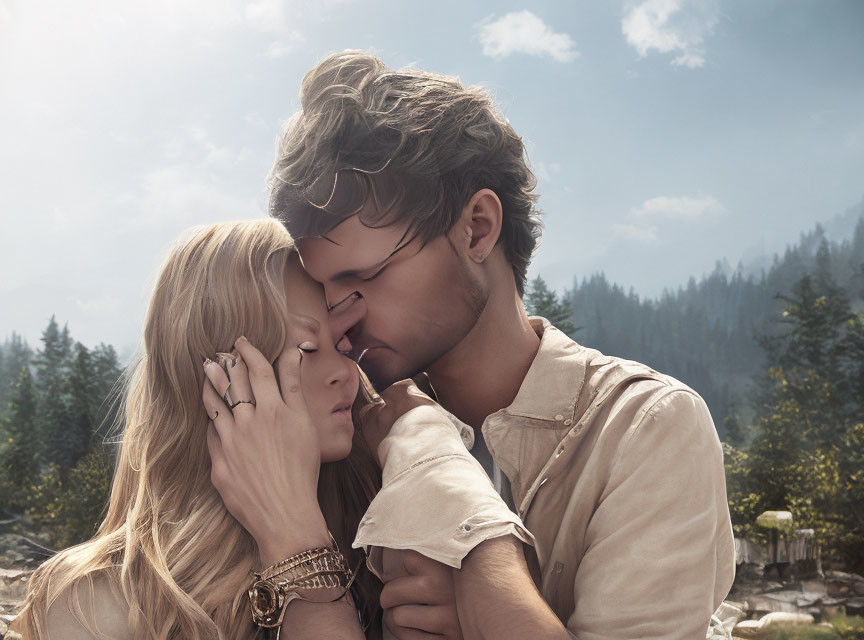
(18, 458)
(540, 301)
(82, 391)
(106, 374)
(54, 420)
(805, 456)
(85, 496)
(810, 353)
(16, 354)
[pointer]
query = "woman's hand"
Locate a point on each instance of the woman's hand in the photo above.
(265, 456)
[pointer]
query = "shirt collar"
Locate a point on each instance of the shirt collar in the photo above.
(551, 388)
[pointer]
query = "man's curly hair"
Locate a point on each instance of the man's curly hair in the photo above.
(415, 145)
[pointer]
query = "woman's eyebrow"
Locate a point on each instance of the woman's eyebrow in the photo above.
(308, 322)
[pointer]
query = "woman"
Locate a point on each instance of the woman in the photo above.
(170, 559)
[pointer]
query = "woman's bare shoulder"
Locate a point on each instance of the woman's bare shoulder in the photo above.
(103, 608)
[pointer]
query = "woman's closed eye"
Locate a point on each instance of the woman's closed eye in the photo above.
(308, 347)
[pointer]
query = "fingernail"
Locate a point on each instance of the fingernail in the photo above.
(207, 361)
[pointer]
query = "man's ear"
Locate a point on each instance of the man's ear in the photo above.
(480, 224)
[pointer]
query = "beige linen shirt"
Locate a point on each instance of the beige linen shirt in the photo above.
(617, 472)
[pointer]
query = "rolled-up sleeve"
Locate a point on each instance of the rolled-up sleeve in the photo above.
(659, 555)
(435, 497)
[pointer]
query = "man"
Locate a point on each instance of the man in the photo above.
(412, 204)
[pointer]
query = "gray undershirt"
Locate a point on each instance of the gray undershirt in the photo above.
(502, 484)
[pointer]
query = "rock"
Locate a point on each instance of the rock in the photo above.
(771, 621)
(840, 583)
(771, 585)
(842, 575)
(12, 575)
(801, 599)
(814, 586)
(854, 606)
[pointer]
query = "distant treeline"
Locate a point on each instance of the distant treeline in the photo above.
(57, 409)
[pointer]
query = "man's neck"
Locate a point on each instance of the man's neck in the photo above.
(483, 373)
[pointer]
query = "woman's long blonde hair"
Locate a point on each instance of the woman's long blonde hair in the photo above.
(167, 543)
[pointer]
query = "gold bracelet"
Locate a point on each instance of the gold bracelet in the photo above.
(321, 568)
(286, 566)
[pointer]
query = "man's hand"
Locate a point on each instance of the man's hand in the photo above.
(377, 419)
(422, 604)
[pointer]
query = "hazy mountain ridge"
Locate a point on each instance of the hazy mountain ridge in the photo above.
(704, 333)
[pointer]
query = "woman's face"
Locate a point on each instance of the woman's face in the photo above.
(329, 380)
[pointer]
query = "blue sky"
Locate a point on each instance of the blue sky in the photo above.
(667, 134)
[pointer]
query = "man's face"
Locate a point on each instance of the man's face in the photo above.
(416, 304)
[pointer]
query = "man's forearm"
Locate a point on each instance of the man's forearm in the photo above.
(496, 597)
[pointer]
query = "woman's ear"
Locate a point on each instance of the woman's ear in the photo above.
(481, 224)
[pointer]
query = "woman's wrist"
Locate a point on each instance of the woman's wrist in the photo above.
(288, 538)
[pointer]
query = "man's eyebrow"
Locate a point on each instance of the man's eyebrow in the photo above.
(331, 240)
(348, 273)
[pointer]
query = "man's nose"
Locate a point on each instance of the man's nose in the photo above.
(345, 316)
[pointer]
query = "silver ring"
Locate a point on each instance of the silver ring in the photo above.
(227, 396)
(252, 402)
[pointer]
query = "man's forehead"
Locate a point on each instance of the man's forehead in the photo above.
(349, 245)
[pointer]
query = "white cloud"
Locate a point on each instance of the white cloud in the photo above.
(272, 16)
(5, 15)
(289, 44)
(175, 197)
(101, 305)
(524, 32)
(636, 234)
(678, 26)
(544, 171)
(679, 208)
(255, 119)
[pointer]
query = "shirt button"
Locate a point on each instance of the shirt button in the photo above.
(465, 527)
(559, 567)
(568, 422)
(559, 417)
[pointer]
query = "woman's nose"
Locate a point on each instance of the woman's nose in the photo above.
(339, 369)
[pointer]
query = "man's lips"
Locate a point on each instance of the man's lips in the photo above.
(359, 350)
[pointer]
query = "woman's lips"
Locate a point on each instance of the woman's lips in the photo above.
(342, 415)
